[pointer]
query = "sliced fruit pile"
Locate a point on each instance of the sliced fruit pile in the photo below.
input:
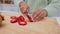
(1, 19)
(21, 20)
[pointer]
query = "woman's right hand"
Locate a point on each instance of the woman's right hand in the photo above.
(23, 7)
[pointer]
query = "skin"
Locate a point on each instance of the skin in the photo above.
(23, 6)
(37, 15)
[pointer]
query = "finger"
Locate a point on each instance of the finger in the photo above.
(36, 12)
(38, 19)
(39, 16)
(44, 14)
(24, 9)
(23, 6)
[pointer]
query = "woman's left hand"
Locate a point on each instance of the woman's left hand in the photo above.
(39, 14)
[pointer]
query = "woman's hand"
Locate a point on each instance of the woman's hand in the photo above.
(39, 14)
(23, 7)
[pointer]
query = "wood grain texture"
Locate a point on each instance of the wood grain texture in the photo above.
(46, 26)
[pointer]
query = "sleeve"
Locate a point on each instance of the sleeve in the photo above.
(53, 7)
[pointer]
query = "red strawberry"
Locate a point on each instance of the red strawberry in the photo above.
(13, 20)
(25, 11)
(22, 23)
(21, 20)
(2, 17)
(13, 17)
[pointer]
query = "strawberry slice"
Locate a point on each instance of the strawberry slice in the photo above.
(21, 20)
(13, 20)
(22, 23)
(13, 17)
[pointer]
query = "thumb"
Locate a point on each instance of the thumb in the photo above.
(25, 11)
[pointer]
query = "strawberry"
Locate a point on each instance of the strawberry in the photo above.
(22, 23)
(2, 17)
(21, 20)
(13, 20)
(30, 19)
(13, 17)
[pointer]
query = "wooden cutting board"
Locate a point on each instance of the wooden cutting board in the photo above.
(46, 26)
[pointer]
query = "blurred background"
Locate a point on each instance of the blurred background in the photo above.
(9, 6)
(6, 2)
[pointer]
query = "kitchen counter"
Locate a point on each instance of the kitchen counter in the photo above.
(47, 25)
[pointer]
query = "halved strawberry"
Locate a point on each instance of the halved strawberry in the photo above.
(21, 20)
(13, 20)
(22, 23)
(13, 17)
